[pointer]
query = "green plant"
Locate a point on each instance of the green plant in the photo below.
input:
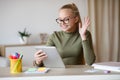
(24, 34)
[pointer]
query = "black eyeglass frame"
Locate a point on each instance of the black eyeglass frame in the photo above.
(65, 20)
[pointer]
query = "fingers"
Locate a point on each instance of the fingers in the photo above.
(83, 27)
(39, 53)
(40, 59)
(87, 21)
(40, 56)
(80, 25)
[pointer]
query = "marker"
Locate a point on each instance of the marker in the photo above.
(107, 71)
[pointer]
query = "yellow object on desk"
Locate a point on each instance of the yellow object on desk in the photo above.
(41, 69)
(15, 65)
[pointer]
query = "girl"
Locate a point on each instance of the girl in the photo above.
(73, 42)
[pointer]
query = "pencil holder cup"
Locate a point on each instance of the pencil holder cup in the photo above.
(15, 65)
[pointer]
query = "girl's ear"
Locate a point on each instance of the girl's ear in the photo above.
(76, 19)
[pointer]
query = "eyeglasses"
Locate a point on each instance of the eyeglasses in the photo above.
(65, 20)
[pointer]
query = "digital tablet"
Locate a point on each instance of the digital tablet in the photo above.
(53, 60)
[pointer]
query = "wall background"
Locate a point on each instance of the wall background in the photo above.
(38, 16)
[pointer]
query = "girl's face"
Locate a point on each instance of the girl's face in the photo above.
(67, 20)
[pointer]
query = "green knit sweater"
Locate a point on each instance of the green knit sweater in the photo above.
(71, 47)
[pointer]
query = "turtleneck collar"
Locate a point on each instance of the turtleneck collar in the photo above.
(69, 34)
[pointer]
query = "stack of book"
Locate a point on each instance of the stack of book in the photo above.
(112, 66)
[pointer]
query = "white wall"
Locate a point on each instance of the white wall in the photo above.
(36, 15)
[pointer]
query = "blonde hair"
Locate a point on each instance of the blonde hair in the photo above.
(75, 10)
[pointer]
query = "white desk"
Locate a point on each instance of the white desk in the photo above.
(70, 73)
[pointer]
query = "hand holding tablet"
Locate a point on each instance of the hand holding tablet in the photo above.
(51, 58)
(40, 56)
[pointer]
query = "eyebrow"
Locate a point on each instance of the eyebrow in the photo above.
(65, 17)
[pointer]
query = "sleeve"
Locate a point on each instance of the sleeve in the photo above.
(38, 65)
(88, 51)
(50, 41)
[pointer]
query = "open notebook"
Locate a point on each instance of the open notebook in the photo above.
(53, 60)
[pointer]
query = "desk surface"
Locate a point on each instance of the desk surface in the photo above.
(70, 73)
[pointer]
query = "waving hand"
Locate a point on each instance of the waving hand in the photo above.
(83, 28)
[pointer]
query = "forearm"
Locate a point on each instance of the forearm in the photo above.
(89, 55)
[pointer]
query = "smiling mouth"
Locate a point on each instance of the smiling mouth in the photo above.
(64, 27)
